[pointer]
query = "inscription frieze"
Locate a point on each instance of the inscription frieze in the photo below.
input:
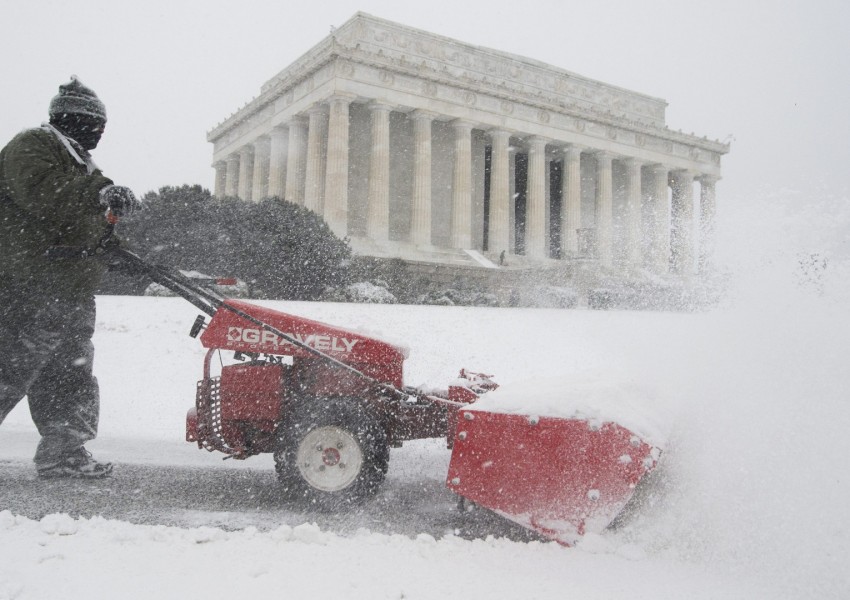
(476, 64)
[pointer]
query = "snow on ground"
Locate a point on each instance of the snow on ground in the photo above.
(749, 500)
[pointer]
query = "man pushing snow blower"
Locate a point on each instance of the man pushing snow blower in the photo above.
(327, 402)
(52, 195)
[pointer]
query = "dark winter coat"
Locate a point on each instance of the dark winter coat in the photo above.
(48, 198)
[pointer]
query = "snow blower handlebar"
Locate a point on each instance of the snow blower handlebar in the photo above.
(210, 302)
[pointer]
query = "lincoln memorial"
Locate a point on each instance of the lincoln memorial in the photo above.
(431, 150)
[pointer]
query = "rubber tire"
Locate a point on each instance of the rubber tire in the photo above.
(356, 420)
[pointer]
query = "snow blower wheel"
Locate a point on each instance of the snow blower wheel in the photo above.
(332, 452)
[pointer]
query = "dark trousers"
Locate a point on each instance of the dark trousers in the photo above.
(47, 355)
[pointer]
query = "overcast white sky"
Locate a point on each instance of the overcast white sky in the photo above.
(773, 74)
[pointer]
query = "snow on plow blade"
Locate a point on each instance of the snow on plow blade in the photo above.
(560, 477)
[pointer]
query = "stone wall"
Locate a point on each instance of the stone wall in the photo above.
(520, 286)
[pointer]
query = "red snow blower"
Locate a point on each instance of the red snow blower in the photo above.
(329, 403)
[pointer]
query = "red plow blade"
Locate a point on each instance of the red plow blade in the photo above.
(560, 477)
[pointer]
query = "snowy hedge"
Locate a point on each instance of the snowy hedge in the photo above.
(282, 250)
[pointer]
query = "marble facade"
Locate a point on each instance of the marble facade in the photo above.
(425, 148)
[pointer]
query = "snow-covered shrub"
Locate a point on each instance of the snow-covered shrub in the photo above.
(557, 297)
(454, 297)
(227, 287)
(284, 249)
(365, 292)
(372, 293)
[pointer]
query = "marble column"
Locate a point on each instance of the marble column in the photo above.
(571, 201)
(246, 172)
(682, 223)
(634, 218)
(336, 177)
(314, 185)
(461, 219)
(378, 210)
(278, 143)
(231, 185)
(220, 181)
(661, 220)
(260, 178)
(296, 161)
(604, 209)
(536, 238)
(707, 212)
(499, 235)
(420, 225)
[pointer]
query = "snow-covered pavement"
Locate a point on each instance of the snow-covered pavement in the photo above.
(752, 404)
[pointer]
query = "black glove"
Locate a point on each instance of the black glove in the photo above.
(113, 242)
(119, 199)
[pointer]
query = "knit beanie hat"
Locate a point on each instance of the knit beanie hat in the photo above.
(76, 98)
